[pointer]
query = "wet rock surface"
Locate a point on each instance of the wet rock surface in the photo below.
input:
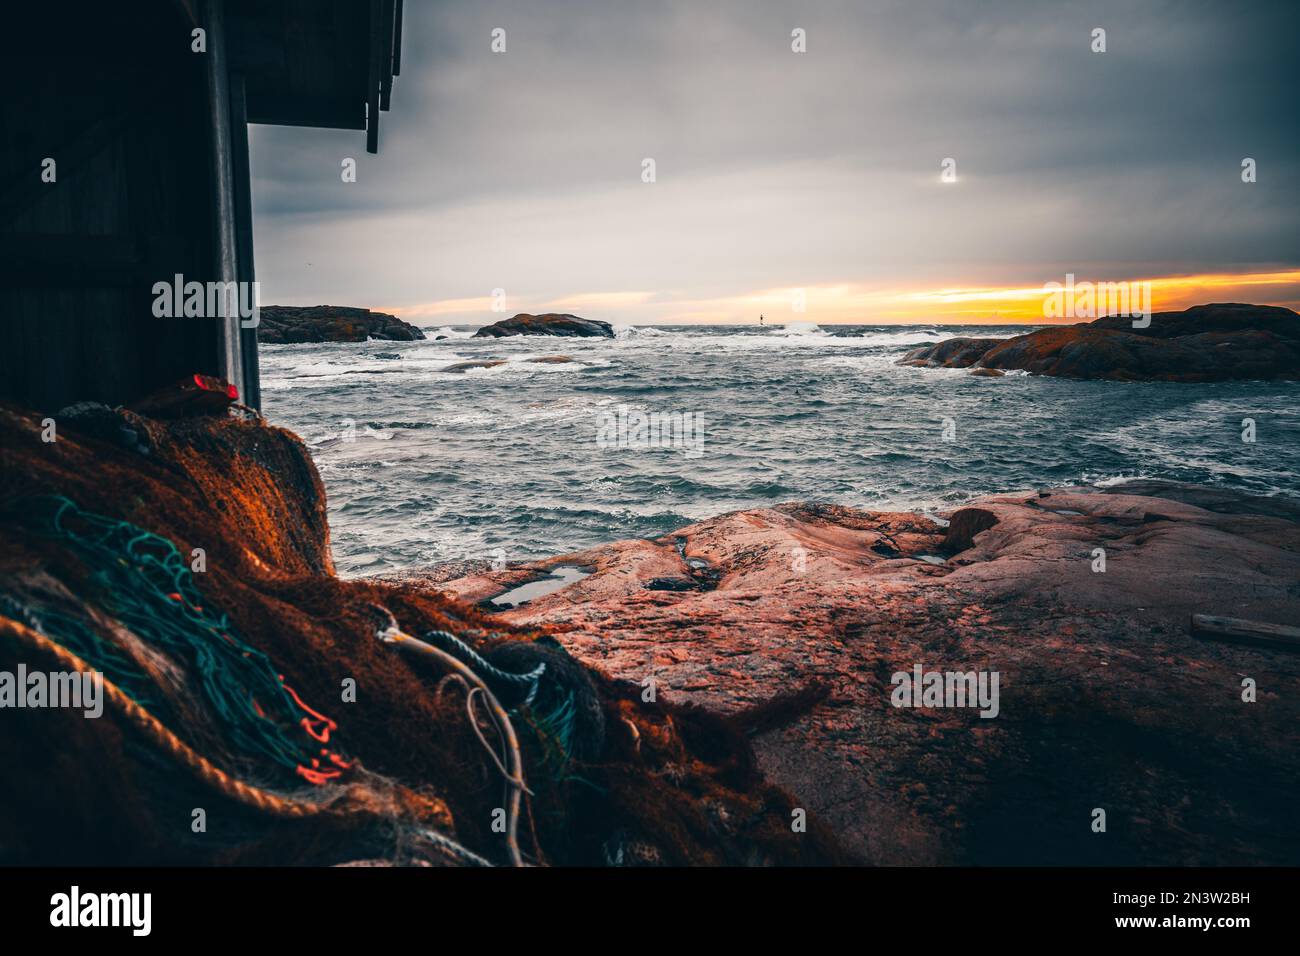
(469, 366)
(1105, 699)
(1205, 343)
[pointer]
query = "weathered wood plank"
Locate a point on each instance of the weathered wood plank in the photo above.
(1241, 631)
(386, 73)
(377, 54)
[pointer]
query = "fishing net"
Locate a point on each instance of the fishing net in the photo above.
(142, 580)
(95, 540)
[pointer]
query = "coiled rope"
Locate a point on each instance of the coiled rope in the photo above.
(512, 769)
(551, 716)
(454, 645)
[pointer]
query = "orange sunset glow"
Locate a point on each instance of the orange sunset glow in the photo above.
(849, 303)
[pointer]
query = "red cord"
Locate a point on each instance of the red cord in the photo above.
(318, 777)
(327, 725)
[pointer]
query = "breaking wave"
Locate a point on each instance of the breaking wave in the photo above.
(422, 464)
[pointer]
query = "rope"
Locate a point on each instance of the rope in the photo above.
(203, 769)
(154, 730)
(453, 644)
(83, 641)
(148, 586)
(512, 768)
(554, 727)
(478, 732)
(552, 720)
(453, 848)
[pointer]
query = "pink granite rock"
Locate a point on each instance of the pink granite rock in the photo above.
(1105, 700)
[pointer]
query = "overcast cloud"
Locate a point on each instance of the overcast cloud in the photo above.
(775, 169)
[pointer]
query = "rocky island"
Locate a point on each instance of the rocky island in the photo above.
(552, 323)
(282, 324)
(1205, 343)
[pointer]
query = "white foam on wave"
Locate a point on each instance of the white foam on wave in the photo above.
(907, 338)
(318, 374)
(488, 419)
(798, 335)
(331, 365)
(747, 341)
(633, 332)
(797, 327)
(416, 363)
(448, 332)
(1112, 481)
(523, 365)
(884, 363)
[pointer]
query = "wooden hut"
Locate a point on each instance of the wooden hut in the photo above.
(124, 163)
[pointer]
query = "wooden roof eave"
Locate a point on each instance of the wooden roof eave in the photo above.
(329, 64)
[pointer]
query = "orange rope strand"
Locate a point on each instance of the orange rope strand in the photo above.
(151, 727)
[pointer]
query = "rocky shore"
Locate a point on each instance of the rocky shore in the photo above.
(281, 324)
(1078, 598)
(552, 323)
(733, 675)
(1206, 343)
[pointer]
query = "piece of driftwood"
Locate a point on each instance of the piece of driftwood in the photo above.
(1241, 631)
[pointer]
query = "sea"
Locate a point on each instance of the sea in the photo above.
(554, 445)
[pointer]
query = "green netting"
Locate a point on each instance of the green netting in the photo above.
(142, 580)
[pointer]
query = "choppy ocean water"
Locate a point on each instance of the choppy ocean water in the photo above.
(423, 465)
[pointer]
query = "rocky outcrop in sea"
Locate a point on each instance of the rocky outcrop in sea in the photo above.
(282, 324)
(552, 323)
(1205, 343)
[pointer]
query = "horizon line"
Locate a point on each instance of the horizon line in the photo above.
(857, 303)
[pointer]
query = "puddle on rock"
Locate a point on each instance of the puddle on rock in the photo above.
(560, 577)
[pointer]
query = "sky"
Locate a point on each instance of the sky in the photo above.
(801, 186)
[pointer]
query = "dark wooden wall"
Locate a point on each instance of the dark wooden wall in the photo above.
(114, 95)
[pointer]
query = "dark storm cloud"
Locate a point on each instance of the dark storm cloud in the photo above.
(522, 170)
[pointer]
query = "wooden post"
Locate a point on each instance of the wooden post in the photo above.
(251, 394)
(225, 263)
(375, 78)
(397, 39)
(386, 57)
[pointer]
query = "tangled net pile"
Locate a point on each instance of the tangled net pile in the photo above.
(214, 673)
(143, 582)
